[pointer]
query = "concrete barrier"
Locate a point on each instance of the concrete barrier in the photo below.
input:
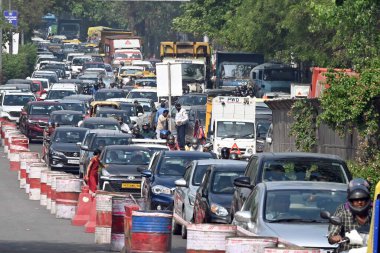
(67, 195)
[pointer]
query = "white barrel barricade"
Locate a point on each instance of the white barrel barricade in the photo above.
(35, 170)
(252, 244)
(49, 179)
(43, 187)
(103, 217)
(14, 156)
(27, 185)
(53, 209)
(8, 134)
(67, 194)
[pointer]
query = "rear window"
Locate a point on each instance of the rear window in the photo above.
(175, 165)
(109, 140)
(223, 182)
(101, 96)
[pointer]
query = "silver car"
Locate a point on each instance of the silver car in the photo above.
(291, 210)
(186, 189)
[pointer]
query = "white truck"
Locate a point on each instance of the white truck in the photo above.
(233, 125)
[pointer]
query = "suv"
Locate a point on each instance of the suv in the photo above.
(12, 102)
(294, 166)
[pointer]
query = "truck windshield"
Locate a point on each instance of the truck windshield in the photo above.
(236, 71)
(192, 72)
(279, 75)
(235, 129)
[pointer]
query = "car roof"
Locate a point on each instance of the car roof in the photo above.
(144, 90)
(103, 131)
(109, 90)
(126, 147)
(150, 145)
(111, 134)
(109, 110)
(281, 155)
(186, 153)
(100, 119)
(65, 128)
(219, 162)
(303, 185)
(44, 103)
(66, 112)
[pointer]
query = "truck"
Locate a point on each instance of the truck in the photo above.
(273, 79)
(120, 48)
(71, 28)
(233, 69)
(233, 125)
(194, 58)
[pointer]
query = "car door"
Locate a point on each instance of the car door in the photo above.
(181, 193)
(243, 193)
(146, 185)
(252, 205)
(200, 200)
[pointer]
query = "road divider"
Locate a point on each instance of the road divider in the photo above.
(67, 195)
(53, 209)
(35, 170)
(84, 207)
(255, 244)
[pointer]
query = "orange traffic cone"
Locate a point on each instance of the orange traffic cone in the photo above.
(91, 223)
(84, 207)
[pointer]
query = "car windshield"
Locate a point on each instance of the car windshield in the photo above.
(176, 165)
(301, 206)
(153, 150)
(223, 182)
(285, 74)
(128, 108)
(59, 94)
(17, 100)
(101, 126)
(137, 94)
(127, 157)
(80, 107)
(100, 142)
(198, 174)
(237, 130)
(66, 119)
(262, 128)
(102, 96)
(44, 84)
(80, 61)
(44, 109)
(236, 71)
(70, 136)
(304, 169)
(192, 100)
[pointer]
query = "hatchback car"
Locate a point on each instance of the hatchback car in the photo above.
(214, 195)
(294, 166)
(119, 165)
(291, 211)
(167, 166)
(63, 152)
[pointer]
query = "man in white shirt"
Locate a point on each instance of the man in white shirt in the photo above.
(181, 119)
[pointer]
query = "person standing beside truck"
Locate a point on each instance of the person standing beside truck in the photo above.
(181, 119)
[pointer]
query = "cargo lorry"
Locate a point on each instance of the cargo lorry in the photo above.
(122, 48)
(233, 125)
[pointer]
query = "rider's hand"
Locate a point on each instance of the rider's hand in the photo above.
(335, 239)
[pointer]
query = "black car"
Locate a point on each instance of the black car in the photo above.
(119, 165)
(74, 105)
(213, 198)
(98, 139)
(104, 94)
(63, 152)
(114, 113)
(294, 166)
(166, 167)
(101, 123)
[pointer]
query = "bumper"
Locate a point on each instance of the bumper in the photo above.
(62, 164)
(162, 201)
(121, 185)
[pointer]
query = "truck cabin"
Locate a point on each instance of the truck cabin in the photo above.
(273, 77)
(234, 74)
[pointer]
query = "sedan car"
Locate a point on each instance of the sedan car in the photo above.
(34, 117)
(100, 123)
(104, 94)
(294, 166)
(74, 105)
(291, 211)
(63, 154)
(119, 165)
(214, 195)
(167, 166)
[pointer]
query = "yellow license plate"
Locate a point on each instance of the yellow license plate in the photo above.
(131, 185)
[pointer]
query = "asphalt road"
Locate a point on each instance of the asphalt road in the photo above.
(28, 227)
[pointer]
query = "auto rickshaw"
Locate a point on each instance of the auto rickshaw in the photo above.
(95, 104)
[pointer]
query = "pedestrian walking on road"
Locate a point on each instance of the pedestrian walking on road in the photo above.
(91, 177)
(181, 119)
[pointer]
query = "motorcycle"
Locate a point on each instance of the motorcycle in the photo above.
(357, 236)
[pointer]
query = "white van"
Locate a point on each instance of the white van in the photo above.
(12, 102)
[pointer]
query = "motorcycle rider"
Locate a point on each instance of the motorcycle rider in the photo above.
(136, 134)
(225, 153)
(357, 214)
(146, 132)
(171, 143)
(195, 145)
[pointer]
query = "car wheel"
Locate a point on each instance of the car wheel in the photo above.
(176, 228)
(183, 227)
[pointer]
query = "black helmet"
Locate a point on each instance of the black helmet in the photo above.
(225, 153)
(359, 181)
(356, 193)
(122, 63)
(136, 130)
(145, 126)
(171, 139)
(194, 142)
(234, 156)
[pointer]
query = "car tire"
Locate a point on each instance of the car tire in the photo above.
(183, 227)
(176, 228)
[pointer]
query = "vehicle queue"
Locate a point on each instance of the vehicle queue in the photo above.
(119, 136)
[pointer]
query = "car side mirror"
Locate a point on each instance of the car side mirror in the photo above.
(84, 147)
(269, 140)
(181, 183)
(243, 182)
(146, 173)
(243, 216)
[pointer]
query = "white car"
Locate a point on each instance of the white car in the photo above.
(12, 102)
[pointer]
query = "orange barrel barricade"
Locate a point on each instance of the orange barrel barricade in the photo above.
(7, 125)
(8, 134)
(67, 194)
(53, 209)
(21, 141)
(128, 224)
(255, 244)
(84, 207)
(43, 187)
(14, 156)
(291, 250)
(49, 179)
(26, 158)
(103, 217)
(151, 231)
(27, 179)
(208, 237)
(35, 170)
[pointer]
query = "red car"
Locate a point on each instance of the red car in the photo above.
(34, 117)
(37, 89)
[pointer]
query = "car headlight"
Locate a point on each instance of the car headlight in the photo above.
(159, 189)
(53, 152)
(219, 210)
(191, 199)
